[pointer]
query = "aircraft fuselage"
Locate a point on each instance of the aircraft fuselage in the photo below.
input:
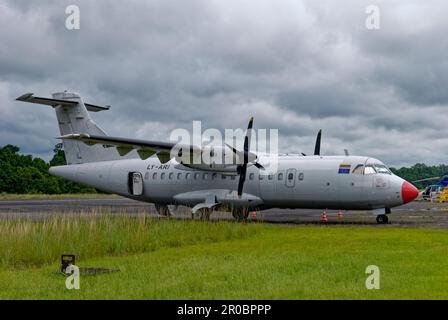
(300, 182)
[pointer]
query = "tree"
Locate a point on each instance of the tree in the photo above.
(27, 174)
(59, 156)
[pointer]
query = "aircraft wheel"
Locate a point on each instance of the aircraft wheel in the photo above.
(240, 214)
(204, 214)
(382, 219)
(163, 210)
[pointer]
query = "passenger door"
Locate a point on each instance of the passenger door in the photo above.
(135, 183)
(290, 180)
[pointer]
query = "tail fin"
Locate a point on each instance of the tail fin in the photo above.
(72, 118)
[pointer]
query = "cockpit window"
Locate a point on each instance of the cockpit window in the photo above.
(381, 168)
(359, 169)
(369, 169)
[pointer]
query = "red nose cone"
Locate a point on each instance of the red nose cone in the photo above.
(408, 192)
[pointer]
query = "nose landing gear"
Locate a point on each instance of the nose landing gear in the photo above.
(382, 219)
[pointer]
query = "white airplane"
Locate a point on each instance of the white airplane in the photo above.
(146, 171)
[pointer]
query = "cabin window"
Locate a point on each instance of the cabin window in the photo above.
(223, 177)
(146, 175)
(162, 176)
(187, 176)
(232, 177)
(154, 176)
(270, 177)
(260, 177)
(359, 169)
(179, 176)
(369, 169)
(251, 176)
(280, 176)
(205, 176)
(170, 176)
(290, 176)
(196, 176)
(301, 176)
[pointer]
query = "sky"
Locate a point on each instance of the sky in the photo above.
(296, 66)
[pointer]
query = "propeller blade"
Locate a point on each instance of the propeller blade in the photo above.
(426, 179)
(242, 179)
(317, 146)
(248, 135)
(243, 167)
(259, 166)
(233, 149)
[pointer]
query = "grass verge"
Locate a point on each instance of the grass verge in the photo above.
(195, 260)
(27, 243)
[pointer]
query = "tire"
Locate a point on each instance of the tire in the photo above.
(382, 219)
(204, 214)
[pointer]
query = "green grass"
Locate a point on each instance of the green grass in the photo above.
(26, 243)
(253, 261)
(10, 196)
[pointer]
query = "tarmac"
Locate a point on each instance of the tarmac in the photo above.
(414, 214)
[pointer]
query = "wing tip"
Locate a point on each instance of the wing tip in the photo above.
(25, 97)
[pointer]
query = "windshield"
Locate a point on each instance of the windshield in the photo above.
(381, 168)
(369, 169)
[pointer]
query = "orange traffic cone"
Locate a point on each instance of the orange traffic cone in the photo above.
(324, 218)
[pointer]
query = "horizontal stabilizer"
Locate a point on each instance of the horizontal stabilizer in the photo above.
(29, 97)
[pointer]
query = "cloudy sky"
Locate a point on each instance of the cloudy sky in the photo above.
(294, 65)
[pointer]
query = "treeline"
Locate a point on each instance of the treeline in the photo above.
(24, 174)
(421, 171)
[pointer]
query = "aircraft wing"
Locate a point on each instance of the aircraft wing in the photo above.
(144, 148)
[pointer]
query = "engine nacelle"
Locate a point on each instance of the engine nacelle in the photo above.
(212, 158)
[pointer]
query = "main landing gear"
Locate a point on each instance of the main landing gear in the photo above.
(164, 210)
(202, 214)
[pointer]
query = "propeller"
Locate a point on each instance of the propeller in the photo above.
(317, 145)
(246, 156)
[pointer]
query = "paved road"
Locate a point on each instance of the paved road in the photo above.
(424, 214)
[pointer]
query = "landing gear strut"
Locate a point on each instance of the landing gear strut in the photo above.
(163, 210)
(382, 219)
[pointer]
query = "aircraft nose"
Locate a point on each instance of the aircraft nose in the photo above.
(408, 192)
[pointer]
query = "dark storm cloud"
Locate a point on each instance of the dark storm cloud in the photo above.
(295, 65)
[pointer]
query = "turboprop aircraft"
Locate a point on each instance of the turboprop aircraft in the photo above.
(150, 171)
